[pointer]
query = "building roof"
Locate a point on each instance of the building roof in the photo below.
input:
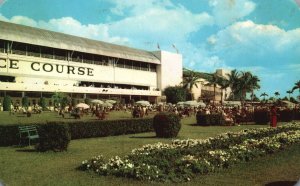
(36, 36)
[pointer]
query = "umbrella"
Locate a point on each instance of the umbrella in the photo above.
(143, 103)
(106, 104)
(191, 103)
(97, 101)
(82, 105)
(201, 104)
(111, 101)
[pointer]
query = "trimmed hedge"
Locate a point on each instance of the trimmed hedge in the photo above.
(88, 129)
(210, 119)
(9, 134)
(53, 136)
(261, 117)
(166, 125)
(286, 115)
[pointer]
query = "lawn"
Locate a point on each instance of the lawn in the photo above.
(24, 166)
(6, 118)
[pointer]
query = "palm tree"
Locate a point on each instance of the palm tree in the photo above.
(264, 95)
(224, 84)
(247, 83)
(297, 86)
(189, 81)
(233, 78)
(289, 92)
(214, 81)
(277, 94)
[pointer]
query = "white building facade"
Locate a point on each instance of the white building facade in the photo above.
(36, 63)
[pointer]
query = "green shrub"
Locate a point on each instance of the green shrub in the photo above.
(9, 135)
(166, 125)
(286, 115)
(261, 117)
(210, 119)
(43, 103)
(87, 101)
(25, 102)
(53, 136)
(6, 103)
(73, 102)
(91, 129)
(84, 129)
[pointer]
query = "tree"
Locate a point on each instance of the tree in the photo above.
(25, 102)
(247, 82)
(43, 103)
(289, 92)
(277, 94)
(224, 84)
(175, 94)
(60, 100)
(297, 86)
(189, 81)
(264, 95)
(233, 78)
(214, 81)
(6, 103)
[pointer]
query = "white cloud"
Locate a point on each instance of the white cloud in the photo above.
(71, 26)
(226, 12)
(248, 35)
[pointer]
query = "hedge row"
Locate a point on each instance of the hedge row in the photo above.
(9, 134)
(211, 119)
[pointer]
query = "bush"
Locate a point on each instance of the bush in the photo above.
(53, 136)
(43, 103)
(210, 119)
(91, 129)
(261, 117)
(6, 103)
(166, 125)
(87, 101)
(286, 115)
(9, 134)
(25, 102)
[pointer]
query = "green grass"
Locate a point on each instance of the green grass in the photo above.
(23, 166)
(6, 118)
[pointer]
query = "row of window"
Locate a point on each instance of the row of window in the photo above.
(60, 54)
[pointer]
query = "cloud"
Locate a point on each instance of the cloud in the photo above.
(256, 41)
(226, 12)
(71, 26)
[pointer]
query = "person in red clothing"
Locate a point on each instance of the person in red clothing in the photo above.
(273, 116)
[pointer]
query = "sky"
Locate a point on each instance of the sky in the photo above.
(260, 36)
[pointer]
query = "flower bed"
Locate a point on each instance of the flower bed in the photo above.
(183, 159)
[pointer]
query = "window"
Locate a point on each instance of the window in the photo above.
(60, 54)
(120, 63)
(88, 58)
(33, 50)
(128, 64)
(136, 65)
(2, 46)
(47, 52)
(19, 48)
(77, 57)
(144, 66)
(152, 67)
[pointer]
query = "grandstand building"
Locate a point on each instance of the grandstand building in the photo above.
(36, 63)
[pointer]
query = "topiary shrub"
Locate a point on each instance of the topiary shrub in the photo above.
(25, 102)
(166, 125)
(43, 103)
(53, 136)
(6, 103)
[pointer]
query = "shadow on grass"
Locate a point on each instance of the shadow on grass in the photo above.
(142, 137)
(281, 183)
(26, 150)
